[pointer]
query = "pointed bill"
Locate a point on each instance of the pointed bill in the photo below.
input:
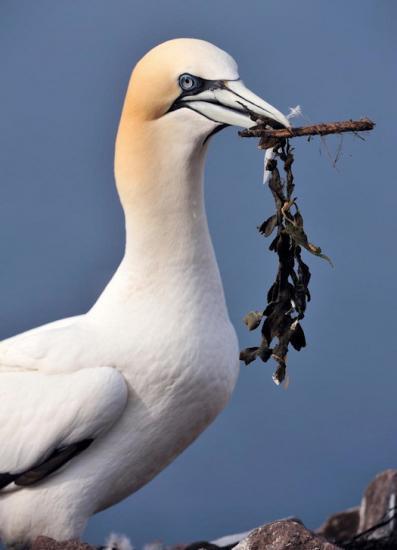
(229, 102)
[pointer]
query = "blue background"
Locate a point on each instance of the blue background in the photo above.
(307, 451)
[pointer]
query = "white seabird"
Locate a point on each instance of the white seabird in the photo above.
(93, 407)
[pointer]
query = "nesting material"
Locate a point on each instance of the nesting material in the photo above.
(288, 296)
(269, 135)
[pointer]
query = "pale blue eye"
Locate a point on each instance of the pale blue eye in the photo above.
(188, 82)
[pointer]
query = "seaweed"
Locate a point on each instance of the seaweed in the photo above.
(287, 297)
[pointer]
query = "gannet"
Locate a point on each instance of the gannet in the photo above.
(94, 406)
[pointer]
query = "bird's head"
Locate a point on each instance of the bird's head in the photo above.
(193, 88)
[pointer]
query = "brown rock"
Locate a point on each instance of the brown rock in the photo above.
(372, 526)
(341, 526)
(45, 543)
(379, 503)
(284, 534)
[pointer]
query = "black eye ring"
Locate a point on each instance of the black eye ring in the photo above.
(189, 82)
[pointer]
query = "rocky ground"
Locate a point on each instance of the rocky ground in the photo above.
(370, 526)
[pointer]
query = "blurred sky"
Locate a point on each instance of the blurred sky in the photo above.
(308, 451)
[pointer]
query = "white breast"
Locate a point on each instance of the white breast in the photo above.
(180, 359)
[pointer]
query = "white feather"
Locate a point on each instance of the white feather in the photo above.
(269, 155)
(294, 112)
(117, 541)
(231, 539)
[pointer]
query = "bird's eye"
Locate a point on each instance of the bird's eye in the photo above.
(188, 82)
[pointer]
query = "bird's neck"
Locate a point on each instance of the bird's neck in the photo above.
(159, 178)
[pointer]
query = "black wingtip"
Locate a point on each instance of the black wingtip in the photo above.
(55, 461)
(6, 479)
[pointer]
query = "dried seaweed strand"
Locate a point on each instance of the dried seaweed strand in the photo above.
(288, 295)
(263, 131)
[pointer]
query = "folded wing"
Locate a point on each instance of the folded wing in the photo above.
(48, 419)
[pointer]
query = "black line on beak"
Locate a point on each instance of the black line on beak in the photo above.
(204, 86)
(255, 116)
(262, 119)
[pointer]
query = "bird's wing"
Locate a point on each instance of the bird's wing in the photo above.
(54, 345)
(47, 419)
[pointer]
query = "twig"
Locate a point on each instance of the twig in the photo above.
(323, 129)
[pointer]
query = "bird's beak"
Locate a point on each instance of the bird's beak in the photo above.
(230, 102)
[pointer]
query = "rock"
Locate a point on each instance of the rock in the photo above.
(341, 526)
(372, 526)
(283, 534)
(379, 504)
(46, 543)
(202, 545)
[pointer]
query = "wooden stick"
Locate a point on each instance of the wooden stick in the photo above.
(323, 129)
